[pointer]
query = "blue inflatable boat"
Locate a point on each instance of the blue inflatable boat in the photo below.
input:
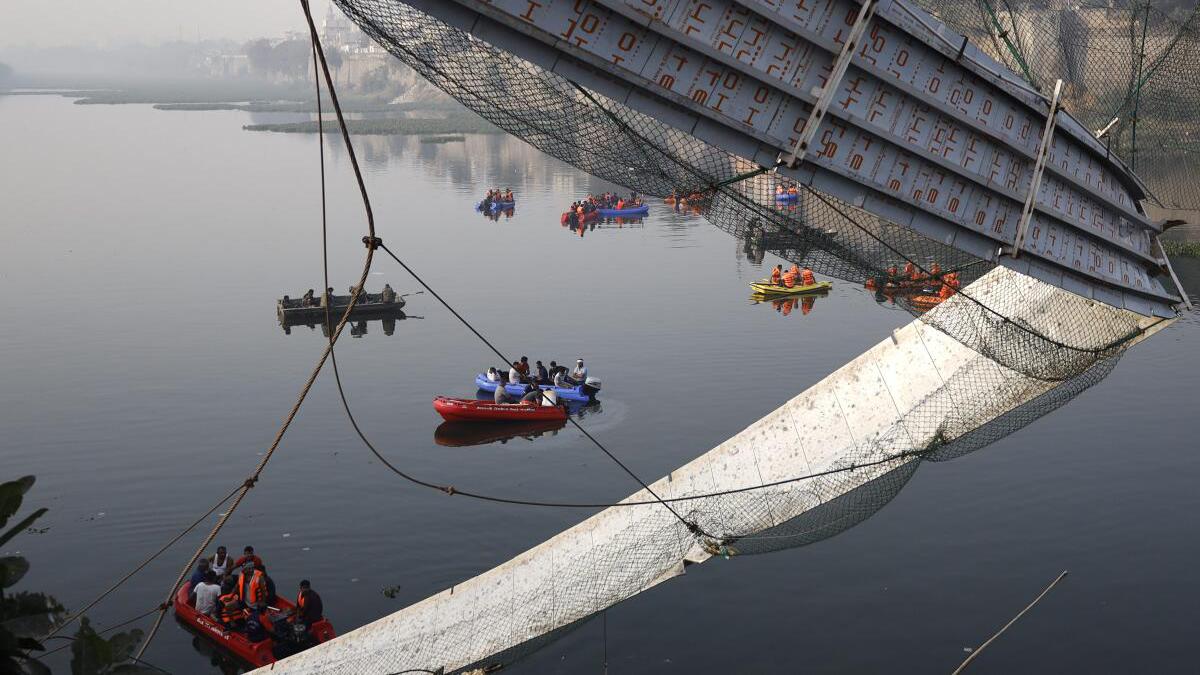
(497, 206)
(787, 197)
(581, 393)
(625, 213)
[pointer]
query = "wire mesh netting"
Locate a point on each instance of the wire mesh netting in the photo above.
(1038, 346)
(1125, 60)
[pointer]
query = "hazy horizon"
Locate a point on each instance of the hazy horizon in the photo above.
(29, 24)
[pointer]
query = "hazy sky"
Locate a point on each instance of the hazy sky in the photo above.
(47, 23)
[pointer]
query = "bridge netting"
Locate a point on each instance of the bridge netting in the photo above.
(1128, 66)
(1040, 346)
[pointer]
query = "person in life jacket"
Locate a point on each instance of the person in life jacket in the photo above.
(910, 271)
(935, 270)
(790, 276)
(309, 608)
(807, 278)
(229, 605)
(777, 275)
(252, 588)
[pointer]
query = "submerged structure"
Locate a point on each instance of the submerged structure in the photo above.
(910, 145)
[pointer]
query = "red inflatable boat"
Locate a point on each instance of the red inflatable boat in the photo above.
(472, 410)
(261, 653)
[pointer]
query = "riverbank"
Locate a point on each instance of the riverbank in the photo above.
(204, 95)
(463, 123)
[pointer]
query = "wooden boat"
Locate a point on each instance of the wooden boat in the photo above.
(261, 653)
(473, 410)
(292, 311)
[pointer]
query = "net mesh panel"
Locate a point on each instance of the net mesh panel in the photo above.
(1049, 354)
(1117, 59)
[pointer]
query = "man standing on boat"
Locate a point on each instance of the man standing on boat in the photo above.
(579, 374)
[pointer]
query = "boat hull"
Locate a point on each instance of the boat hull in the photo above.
(472, 410)
(624, 213)
(259, 653)
(578, 393)
(765, 287)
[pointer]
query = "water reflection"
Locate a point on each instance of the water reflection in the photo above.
(460, 434)
(219, 660)
(785, 306)
(358, 328)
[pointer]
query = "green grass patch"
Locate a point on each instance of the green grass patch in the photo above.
(1189, 249)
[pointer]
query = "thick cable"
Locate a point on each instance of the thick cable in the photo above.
(105, 631)
(128, 575)
(371, 242)
(692, 527)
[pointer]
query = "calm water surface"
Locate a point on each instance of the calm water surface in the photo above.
(142, 373)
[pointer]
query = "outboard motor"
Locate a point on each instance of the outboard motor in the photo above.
(591, 386)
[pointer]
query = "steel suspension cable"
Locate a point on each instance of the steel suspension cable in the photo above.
(80, 612)
(372, 242)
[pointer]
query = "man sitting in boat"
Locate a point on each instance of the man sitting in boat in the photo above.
(806, 277)
(542, 376)
(252, 588)
(248, 556)
(501, 396)
(206, 593)
(508, 195)
(514, 373)
(791, 276)
(777, 275)
(309, 608)
(493, 375)
(229, 606)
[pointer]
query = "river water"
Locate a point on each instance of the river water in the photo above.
(143, 374)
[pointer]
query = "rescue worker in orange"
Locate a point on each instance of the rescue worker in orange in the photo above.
(309, 608)
(777, 275)
(807, 278)
(229, 605)
(790, 276)
(252, 588)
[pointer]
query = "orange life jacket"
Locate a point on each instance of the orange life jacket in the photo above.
(776, 275)
(807, 278)
(230, 607)
(789, 278)
(791, 191)
(253, 591)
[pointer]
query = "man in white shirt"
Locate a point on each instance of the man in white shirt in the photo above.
(207, 592)
(579, 375)
(514, 375)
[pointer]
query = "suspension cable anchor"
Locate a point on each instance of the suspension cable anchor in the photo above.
(372, 242)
